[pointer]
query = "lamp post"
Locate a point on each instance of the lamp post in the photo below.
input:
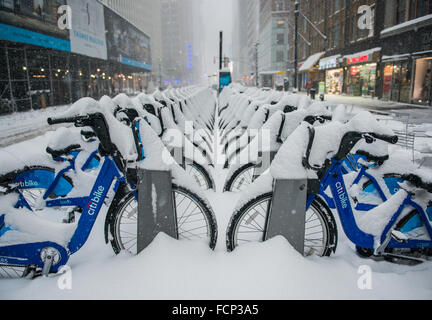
(296, 15)
(256, 63)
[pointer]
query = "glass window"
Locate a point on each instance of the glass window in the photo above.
(336, 5)
(400, 11)
(419, 8)
(336, 36)
(279, 56)
(422, 92)
(280, 39)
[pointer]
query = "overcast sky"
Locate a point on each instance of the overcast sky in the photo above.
(217, 16)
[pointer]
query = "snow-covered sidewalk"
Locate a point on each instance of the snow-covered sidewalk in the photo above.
(22, 126)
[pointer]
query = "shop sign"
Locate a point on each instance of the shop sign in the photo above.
(125, 43)
(358, 59)
(34, 22)
(87, 36)
(328, 64)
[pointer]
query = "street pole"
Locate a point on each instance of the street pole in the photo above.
(220, 49)
(160, 74)
(256, 64)
(296, 15)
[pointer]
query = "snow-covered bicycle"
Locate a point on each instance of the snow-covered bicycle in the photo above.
(30, 245)
(398, 227)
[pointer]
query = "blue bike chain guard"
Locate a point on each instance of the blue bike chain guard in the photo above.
(30, 254)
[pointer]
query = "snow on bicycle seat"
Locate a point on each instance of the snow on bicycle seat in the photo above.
(376, 152)
(418, 180)
(64, 141)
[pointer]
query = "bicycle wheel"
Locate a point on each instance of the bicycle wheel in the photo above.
(248, 225)
(195, 220)
(201, 175)
(241, 178)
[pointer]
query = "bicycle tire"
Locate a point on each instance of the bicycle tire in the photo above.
(234, 178)
(202, 176)
(121, 202)
(325, 217)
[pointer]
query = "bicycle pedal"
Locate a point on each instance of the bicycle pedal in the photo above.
(399, 236)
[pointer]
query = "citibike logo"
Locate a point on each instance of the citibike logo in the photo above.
(27, 183)
(93, 204)
(342, 195)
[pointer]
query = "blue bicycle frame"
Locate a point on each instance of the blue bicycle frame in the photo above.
(45, 178)
(333, 178)
(30, 253)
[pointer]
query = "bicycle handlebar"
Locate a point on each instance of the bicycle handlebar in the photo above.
(386, 138)
(321, 119)
(75, 119)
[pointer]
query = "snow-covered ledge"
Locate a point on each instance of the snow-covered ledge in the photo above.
(407, 26)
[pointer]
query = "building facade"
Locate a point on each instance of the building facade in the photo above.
(146, 16)
(181, 45)
(245, 40)
(365, 48)
(273, 42)
(407, 52)
(45, 65)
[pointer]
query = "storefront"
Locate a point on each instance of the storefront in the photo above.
(407, 62)
(396, 79)
(309, 71)
(422, 89)
(361, 73)
(333, 73)
(45, 66)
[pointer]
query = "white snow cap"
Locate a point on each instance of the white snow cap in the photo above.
(288, 161)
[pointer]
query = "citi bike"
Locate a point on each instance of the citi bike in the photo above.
(194, 219)
(406, 231)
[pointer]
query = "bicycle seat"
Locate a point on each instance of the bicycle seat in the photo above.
(56, 153)
(373, 158)
(417, 181)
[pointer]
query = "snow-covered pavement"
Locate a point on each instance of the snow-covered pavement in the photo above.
(22, 126)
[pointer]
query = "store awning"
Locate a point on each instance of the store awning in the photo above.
(397, 57)
(362, 56)
(311, 61)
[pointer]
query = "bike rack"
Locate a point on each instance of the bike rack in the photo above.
(288, 211)
(266, 160)
(156, 211)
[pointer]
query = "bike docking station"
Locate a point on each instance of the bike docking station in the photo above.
(287, 214)
(155, 207)
(265, 160)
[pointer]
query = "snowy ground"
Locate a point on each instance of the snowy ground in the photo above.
(171, 269)
(22, 126)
